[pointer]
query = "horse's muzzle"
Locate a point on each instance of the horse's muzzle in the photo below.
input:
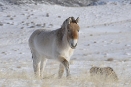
(73, 46)
(73, 43)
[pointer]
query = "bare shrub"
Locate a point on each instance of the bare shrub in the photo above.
(11, 18)
(1, 24)
(8, 15)
(71, 3)
(103, 74)
(110, 59)
(47, 15)
(20, 1)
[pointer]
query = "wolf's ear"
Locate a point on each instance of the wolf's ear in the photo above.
(77, 20)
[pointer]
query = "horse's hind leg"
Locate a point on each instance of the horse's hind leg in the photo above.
(42, 66)
(61, 70)
(36, 65)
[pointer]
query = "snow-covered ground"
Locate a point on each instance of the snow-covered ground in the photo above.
(104, 42)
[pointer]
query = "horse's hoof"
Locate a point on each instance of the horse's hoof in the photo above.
(68, 77)
(59, 77)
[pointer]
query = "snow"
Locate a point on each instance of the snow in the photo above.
(105, 33)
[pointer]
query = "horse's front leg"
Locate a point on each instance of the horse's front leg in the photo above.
(61, 70)
(65, 63)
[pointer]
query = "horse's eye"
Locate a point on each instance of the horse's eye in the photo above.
(68, 30)
(78, 30)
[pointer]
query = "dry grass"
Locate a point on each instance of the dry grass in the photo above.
(14, 75)
(23, 79)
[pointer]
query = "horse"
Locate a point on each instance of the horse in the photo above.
(56, 44)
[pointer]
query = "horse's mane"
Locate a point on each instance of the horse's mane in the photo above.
(60, 34)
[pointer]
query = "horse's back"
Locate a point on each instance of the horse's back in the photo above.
(36, 32)
(43, 41)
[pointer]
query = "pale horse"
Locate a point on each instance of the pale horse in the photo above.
(56, 44)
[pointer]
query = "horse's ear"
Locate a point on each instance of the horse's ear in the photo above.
(77, 20)
(69, 20)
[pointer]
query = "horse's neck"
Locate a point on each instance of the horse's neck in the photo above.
(63, 42)
(61, 35)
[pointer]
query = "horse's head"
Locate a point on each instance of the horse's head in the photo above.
(72, 31)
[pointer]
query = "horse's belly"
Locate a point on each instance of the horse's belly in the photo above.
(45, 51)
(50, 52)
